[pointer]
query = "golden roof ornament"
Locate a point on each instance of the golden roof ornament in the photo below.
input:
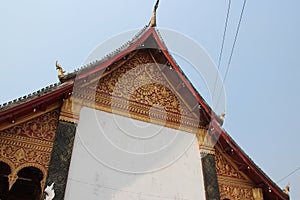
(153, 19)
(61, 72)
(222, 118)
(287, 189)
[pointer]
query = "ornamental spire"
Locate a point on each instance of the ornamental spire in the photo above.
(153, 19)
(61, 72)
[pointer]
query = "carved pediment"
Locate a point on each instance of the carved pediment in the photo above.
(141, 87)
(226, 168)
(233, 184)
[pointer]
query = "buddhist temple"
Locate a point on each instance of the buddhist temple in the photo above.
(51, 139)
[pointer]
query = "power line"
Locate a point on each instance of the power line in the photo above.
(232, 49)
(235, 39)
(291, 173)
(222, 45)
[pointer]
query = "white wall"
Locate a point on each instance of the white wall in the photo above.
(117, 158)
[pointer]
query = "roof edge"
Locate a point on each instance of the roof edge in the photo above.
(234, 147)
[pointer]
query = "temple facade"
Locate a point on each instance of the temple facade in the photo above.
(52, 136)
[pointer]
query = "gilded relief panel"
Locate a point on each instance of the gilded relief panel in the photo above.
(233, 184)
(240, 192)
(140, 80)
(29, 144)
(139, 89)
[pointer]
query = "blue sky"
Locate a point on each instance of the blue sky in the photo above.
(262, 86)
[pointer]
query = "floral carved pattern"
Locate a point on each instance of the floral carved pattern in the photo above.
(19, 155)
(225, 168)
(29, 144)
(139, 80)
(139, 88)
(232, 183)
(42, 128)
(236, 192)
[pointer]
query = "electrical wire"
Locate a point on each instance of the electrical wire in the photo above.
(222, 45)
(232, 49)
(291, 173)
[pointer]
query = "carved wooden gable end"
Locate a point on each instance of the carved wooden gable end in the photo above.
(233, 183)
(143, 85)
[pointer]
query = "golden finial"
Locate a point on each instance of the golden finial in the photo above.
(287, 189)
(222, 118)
(153, 19)
(61, 72)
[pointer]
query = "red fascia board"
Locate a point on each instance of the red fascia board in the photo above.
(115, 58)
(182, 76)
(27, 106)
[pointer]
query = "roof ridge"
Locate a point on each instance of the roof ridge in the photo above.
(107, 56)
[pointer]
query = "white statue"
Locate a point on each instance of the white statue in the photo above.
(49, 192)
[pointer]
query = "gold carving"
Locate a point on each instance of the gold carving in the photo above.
(20, 156)
(222, 118)
(29, 144)
(153, 19)
(42, 127)
(61, 72)
(233, 184)
(235, 192)
(12, 178)
(139, 81)
(70, 110)
(258, 194)
(206, 144)
(225, 168)
(137, 89)
(287, 189)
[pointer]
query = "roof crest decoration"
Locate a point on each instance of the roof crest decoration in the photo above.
(153, 19)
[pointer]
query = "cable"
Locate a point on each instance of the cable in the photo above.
(222, 45)
(288, 175)
(232, 50)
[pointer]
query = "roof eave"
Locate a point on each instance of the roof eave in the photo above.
(264, 179)
(39, 101)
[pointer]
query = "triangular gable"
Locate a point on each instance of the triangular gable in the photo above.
(148, 66)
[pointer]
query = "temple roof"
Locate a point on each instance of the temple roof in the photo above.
(11, 111)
